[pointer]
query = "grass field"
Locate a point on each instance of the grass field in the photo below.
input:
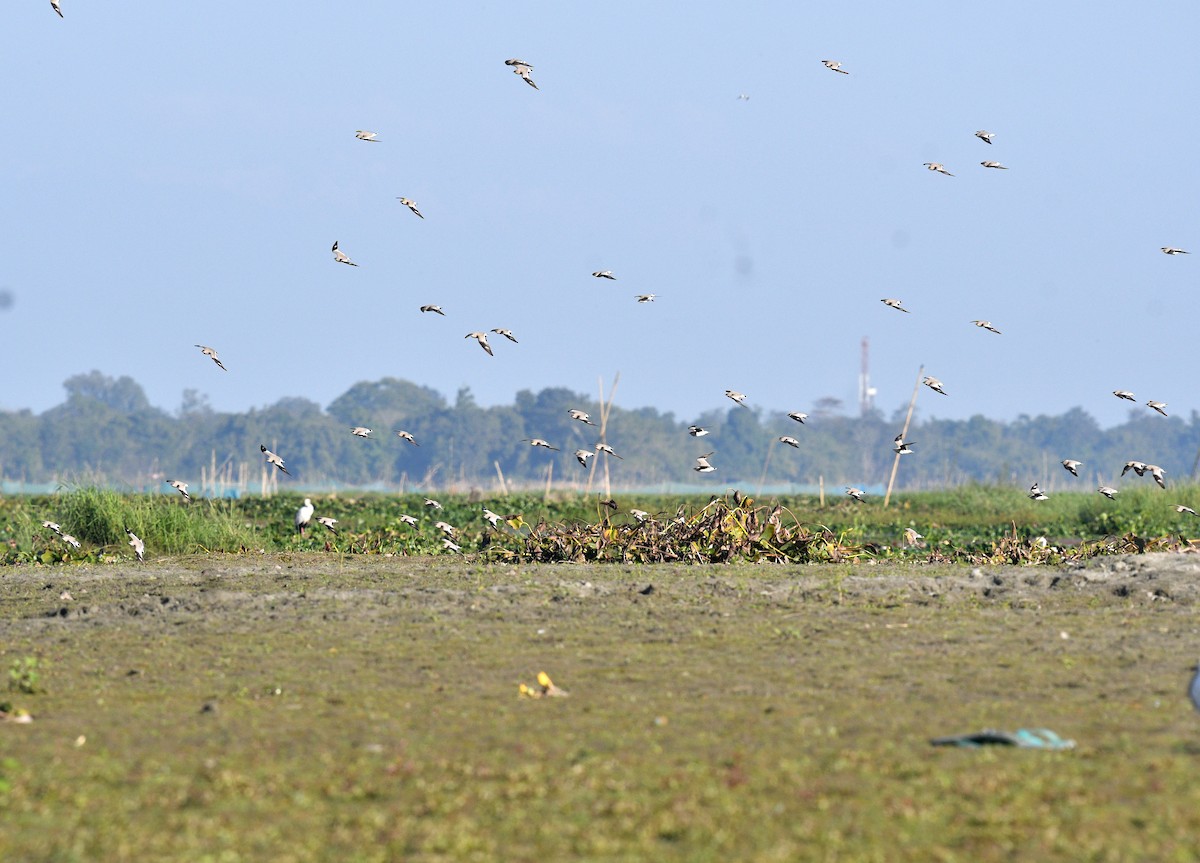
(296, 707)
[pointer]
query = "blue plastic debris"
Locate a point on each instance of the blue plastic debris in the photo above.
(1024, 738)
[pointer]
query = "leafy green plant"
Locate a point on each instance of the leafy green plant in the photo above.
(24, 677)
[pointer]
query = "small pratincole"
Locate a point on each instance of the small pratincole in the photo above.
(341, 257)
(434, 309)
(273, 459)
(508, 334)
(893, 303)
(697, 431)
(1125, 394)
(181, 487)
(1071, 465)
(900, 446)
(984, 136)
(993, 165)
(1171, 250)
(604, 274)
(328, 522)
(581, 416)
(790, 441)
(939, 167)
(934, 384)
(212, 355)
(537, 441)
(798, 417)
(857, 493)
(483, 342)
(582, 455)
(1035, 493)
(605, 448)
(986, 325)
(520, 67)
(1158, 406)
(834, 66)
(412, 205)
(135, 542)
(702, 465)
(740, 398)
(364, 135)
(361, 431)
(1108, 491)
(403, 435)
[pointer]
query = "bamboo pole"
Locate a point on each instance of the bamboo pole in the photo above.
(605, 407)
(821, 489)
(903, 433)
(549, 477)
(500, 473)
(766, 464)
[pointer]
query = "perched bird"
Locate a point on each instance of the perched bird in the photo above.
(1071, 465)
(986, 325)
(834, 66)
(304, 515)
(483, 342)
(1158, 406)
(604, 274)
(645, 298)
(934, 384)
(641, 514)
(1136, 466)
(939, 167)
(790, 441)
(69, 540)
(895, 304)
(403, 435)
(857, 493)
(697, 431)
(702, 465)
(273, 459)
(500, 331)
(1180, 508)
(1125, 394)
(581, 416)
(1035, 493)
(328, 522)
(412, 205)
(900, 446)
(361, 431)
(740, 398)
(212, 355)
(341, 257)
(798, 417)
(1171, 250)
(135, 542)
(54, 526)
(605, 448)
(432, 504)
(521, 68)
(993, 165)
(1108, 491)
(447, 529)
(492, 518)
(537, 441)
(364, 135)
(434, 309)
(55, 7)
(582, 455)
(181, 487)
(1157, 473)
(986, 137)
(408, 519)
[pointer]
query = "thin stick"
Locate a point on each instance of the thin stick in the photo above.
(549, 476)
(503, 484)
(766, 464)
(903, 433)
(821, 489)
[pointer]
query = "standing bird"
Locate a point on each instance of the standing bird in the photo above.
(582, 455)
(790, 441)
(986, 325)
(939, 167)
(1171, 250)
(1035, 493)
(582, 416)
(54, 6)
(740, 398)
(934, 384)
(604, 274)
(412, 205)
(520, 67)
(697, 431)
(304, 515)
(508, 334)
(273, 459)
(1108, 491)
(895, 304)
(483, 342)
(435, 309)
(834, 66)
(181, 487)
(984, 136)
(993, 165)
(364, 135)
(857, 493)
(340, 256)
(212, 355)
(328, 522)
(1125, 394)
(361, 431)
(135, 542)
(1071, 465)
(1158, 406)
(403, 435)
(702, 465)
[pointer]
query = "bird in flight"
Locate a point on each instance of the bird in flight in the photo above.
(273, 459)
(1035, 493)
(857, 493)
(740, 398)
(1071, 465)
(582, 416)
(341, 257)
(1157, 473)
(939, 167)
(520, 67)
(798, 417)
(1180, 508)
(834, 66)
(645, 298)
(604, 274)
(1108, 491)
(993, 165)
(54, 526)
(135, 542)
(1171, 250)
(790, 441)
(894, 304)
(1125, 394)
(987, 325)
(582, 455)
(900, 446)
(985, 136)
(493, 518)
(328, 522)
(212, 355)
(639, 514)
(432, 504)
(364, 135)
(361, 431)
(702, 464)
(934, 384)
(412, 205)
(434, 309)
(1136, 466)
(181, 487)
(408, 519)
(605, 448)
(697, 431)
(403, 435)
(304, 515)
(55, 7)
(506, 333)
(1158, 406)
(537, 441)
(483, 342)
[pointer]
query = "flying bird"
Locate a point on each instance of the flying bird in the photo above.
(740, 398)
(1180, 508)
(435, 309)
(483, 342)
(445, 528)
(1136, 466)
(69, 540)
(934, 384)
(328, 522)
(506, 333)
(913, 538)
(857, 493)
(54, 6)
(604, 274)
(403, 435)
(902, 447)
(361, 431)
(1157, 473)
(432, 504)
(993, 165)
(697, 431)
(1125, 394)
(412, 205)
(493, 518)
(448, 543)
(408, 519)
(790, 441)
(702, 464)
(1171, 250)
(304, 515)
(341, 257)
(645, 298)
(212, 355)
(581, 416)
(939, 167)
(985, 136)
(987, 325)
(834, 66)
(520, 67)
(1158, 406)
(582, 455)
(895, 304)
(1108, 491)
(605, 448)
(1071, 465)
(798, 417)
(135, 542)
(273, 459)
(181, 487)
(54, 526)
(1035, 493)
(537, 441)
(364, 135)
(513, 61)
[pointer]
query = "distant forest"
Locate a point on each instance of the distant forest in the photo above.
(108, 432)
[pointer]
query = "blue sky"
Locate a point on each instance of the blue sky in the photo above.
(177, 173)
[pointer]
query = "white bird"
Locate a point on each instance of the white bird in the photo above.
(834, 66)
(1125, 394)
(895, 304)
(54, 6)
(900, 446)
(361, 431)
(604, 274)
(645, 298)
(697, 431)
(1157, 473)
(582, 455)
(1036, 493)
(986, 325)
(521, 68)
(857, 493)
(411, 204)
(500, 331)
(273, 459)
(993, 165)
(798, 417)
(483, 342)
(934, 384)
(408, 519)
(1108, 491)
(1158, 406)
(403, 435)
(702, 464)
(605, 448)
(181, 487)
(1171, 250)
(939, 167)
(69, 540)
(537, 441)
(304, 515)
(135, 542)
(790, 441)
(364, 135)
(328, 522)
(341, 257)
(1180, 508)
(581, 416)
(445, 528)
(1071, 465)
(986, 137)
(432, 504)
(449, 545)
(434, 309)
(740, 398)
(54, 526)
(212, 355)
(493, 518)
